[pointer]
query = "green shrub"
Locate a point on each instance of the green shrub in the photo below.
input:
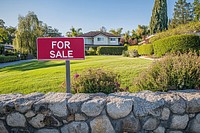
(181, 29)
(9, 53)
(94, 81)
(130, 53)
(91, 51)
(172, 72)
(110, 50)
(92, 48)
(4, 59)
(133, 47)
(125, 53)
(133, 53)
(23, 56)
(182, 43)
(145, 49)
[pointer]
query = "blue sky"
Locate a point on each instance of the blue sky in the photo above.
(86, 14)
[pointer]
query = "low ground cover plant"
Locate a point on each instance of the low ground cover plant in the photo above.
(173, 72)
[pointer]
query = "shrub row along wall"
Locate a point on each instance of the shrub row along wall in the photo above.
(99, 113)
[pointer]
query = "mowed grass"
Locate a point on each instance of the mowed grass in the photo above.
(48, 76)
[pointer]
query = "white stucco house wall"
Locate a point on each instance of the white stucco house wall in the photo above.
(99, 38)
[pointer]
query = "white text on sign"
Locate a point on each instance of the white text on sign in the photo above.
(66, 53)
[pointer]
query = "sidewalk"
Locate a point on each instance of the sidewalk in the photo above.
(148, 58)
(15, 62)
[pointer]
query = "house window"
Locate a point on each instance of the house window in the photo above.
(100, 39)
(112, 39)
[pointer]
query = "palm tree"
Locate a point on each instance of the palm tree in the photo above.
(116, 32)
(74, 32)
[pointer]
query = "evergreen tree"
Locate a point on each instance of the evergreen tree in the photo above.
(196, 5)
(159, 17)
(183, 13)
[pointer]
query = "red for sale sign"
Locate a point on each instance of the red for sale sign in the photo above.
(60, 48)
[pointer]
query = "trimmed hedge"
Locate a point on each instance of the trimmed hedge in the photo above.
(133, 47)
(182, 43)
(110, 50)
(145, 49)
(4, 59)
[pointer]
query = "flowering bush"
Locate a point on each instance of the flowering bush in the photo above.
(178, 72)
(96, 80)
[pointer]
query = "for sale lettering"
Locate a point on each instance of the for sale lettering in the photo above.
(61, 49)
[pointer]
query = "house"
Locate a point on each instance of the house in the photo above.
(100, 38)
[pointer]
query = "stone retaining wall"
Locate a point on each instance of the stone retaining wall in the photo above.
(144, 112)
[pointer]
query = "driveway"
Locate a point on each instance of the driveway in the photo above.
(15, 63)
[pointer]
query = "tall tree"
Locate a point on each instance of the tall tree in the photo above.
(196, 5)
(2, 23)
(11, 34)
(159, 17)
(133, 39)
(134, 34)
(3, 36)
(116, 32)
(49, 31)
(103, 29)
(27, 32)
(74, 32)
(3, 32)
(125, 38)
(183, 13)
(7, 34)
(142, 31)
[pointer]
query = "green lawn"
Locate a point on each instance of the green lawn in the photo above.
(48, 76)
